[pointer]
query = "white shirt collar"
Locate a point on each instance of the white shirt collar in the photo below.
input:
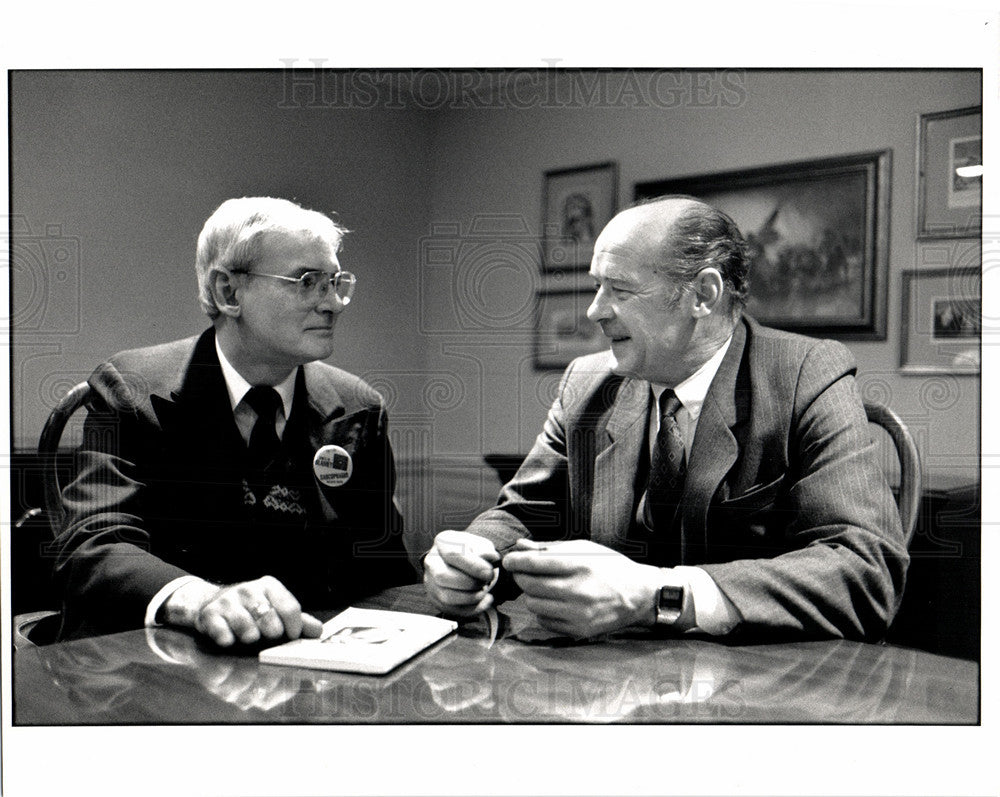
(692, 391)
(238, 387)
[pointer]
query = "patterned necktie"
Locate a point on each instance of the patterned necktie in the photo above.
(667, 468)
(264, 443)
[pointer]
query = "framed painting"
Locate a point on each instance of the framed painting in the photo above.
(576, 204)
(942, 321)
(950, 174)
(818, 239)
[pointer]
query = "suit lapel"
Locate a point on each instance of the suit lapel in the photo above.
(715, 448)
(617, 463)
(198, 409)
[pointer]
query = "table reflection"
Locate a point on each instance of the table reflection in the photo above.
(168, 676)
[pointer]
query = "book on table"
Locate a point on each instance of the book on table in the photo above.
(371, 641)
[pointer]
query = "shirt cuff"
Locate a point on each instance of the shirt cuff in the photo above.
(161, 597)
(714, 613)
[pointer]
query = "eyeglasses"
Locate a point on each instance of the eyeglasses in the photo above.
(315, 285)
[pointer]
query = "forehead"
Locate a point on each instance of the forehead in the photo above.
(290, 251)
(624, 254)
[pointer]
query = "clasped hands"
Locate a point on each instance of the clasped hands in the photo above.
(577, 588)
(247, 612)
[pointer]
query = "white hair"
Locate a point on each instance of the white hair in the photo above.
(232, 235)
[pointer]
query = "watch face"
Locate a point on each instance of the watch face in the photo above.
(671, 598)
(669, 605)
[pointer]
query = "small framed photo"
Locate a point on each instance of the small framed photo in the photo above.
(942, 321)
(563, 331)
(950, 174)
(576, 204)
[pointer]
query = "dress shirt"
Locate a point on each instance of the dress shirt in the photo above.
(245, 418)
(713, 612)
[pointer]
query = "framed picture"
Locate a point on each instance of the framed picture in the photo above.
(818, 235)
(576, 204)
(950, 174)
(942, 321)
(563, 330)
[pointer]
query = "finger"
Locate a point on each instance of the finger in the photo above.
(528, 544)
(459, 603)
(242, 624)
(539, 562)
(311, 627)
(472, 610)
(542, 586)
(214, 626)
(453, 578)
(460, 597)
(474, 556)
(287, 609)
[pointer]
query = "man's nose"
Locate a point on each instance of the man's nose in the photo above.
(599, 309)
(328, 302)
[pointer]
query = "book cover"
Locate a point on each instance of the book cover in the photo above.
(371, 641)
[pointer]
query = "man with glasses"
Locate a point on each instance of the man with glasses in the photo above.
(229, 480)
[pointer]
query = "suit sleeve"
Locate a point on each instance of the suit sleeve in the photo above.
(535, 503)
(843, 571)
(103, 560)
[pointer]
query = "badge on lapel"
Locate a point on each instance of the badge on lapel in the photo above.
(332, 466)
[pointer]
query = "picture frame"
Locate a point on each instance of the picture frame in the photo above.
(818, 236)
(563, 330)
(941, 321)
(949, 173)
(576, 204)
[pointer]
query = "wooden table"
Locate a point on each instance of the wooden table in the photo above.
(164, 676)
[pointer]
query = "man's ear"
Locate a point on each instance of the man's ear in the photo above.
(708, 288)
(224, 290)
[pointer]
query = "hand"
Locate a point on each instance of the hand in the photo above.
(459, 572)
(583, 589)
(244, 612)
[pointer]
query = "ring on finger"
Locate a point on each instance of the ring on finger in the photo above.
(259, 609)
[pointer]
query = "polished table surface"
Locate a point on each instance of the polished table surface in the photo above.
(164, 676)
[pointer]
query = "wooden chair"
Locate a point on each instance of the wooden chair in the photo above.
(908, 499)
(36, 628)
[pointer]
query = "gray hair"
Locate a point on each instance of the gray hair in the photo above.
(232, 235)
(703, 236)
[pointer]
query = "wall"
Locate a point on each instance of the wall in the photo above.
(491, 161)
(118, 171)
(113, 174)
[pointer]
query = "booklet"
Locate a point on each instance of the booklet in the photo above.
(371, 641)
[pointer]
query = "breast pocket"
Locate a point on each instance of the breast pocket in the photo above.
(758, 498)
(751, 524)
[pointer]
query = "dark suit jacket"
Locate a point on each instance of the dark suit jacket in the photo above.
(159, 487)
(784, 505)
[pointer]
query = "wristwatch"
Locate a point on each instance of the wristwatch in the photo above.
(669, 604)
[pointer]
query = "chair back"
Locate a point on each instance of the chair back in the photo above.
(48, 447)
(41, 627)
(909, 464)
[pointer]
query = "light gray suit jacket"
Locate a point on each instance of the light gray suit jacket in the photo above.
(785, 504)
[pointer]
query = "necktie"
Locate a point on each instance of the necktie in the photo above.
(264, 443)
(667, 467)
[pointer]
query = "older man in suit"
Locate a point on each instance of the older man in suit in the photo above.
(706, 474)
(228, 479)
